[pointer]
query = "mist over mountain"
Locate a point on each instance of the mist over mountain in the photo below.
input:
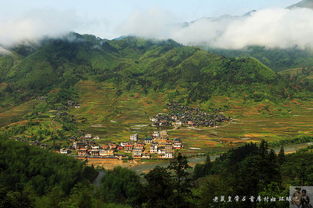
(279, 38)
(271, 28)
(4, 51)
(303, 4)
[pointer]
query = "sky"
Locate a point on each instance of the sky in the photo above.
(160, 19)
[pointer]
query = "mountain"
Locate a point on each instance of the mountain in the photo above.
(303, 4)
(276, 59)
(121, 83)
(185, 74)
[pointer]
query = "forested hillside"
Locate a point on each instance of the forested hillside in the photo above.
(32, 177)
(275, 58)
(136, 64)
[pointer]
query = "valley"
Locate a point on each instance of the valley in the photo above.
(114, 118)
(112, 89)
(156, 104)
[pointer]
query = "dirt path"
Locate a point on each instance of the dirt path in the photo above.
(97, 181)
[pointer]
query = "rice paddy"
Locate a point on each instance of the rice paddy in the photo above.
(114, 117)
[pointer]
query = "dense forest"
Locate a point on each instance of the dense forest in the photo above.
(32, 177)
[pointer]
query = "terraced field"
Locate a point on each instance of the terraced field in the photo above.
(114, 117)
(8, 116)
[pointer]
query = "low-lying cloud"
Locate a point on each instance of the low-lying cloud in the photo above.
(4, 51)
(35, 25)
(272, 28)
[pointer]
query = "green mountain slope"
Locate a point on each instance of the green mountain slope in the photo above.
(304, 74)
(276, 59)
(132, 64)
(119, 84)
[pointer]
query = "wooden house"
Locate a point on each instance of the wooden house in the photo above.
(137, 152)
(64, 151)
(94, 152)
(154, 148)
(156, 134)
(133, 137)
(148, 140)
(128, 148)
(82, 152)
(79, 145)
(107, 152)
(168, 154)
(161, 150)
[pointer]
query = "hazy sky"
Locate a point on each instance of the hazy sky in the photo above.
(102, 17)
(272, 25)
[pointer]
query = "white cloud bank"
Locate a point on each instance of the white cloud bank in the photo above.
(272, 28)
(35, 25)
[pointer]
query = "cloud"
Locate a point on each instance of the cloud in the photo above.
(4, 51)
(153, 23)
(272, 28)
(35, 25)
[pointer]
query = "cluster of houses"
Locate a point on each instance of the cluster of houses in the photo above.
(157, 146)
(180, 115)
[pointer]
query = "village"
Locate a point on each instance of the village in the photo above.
(159, 145)
(180, 115)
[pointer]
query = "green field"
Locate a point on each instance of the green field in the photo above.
(114, 117)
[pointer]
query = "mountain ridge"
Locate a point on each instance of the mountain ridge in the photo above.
(138, 64)
(302, 4)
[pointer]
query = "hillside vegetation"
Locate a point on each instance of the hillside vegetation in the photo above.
(119, 84)
(32, 177)
(135, 64)
(275, 58)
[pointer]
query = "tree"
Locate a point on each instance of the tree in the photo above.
(182, 180)
(159, 189)
(209, 187)
(121, 185)
(81, 197)
(202, 170)
(263, 149)
(281, 155)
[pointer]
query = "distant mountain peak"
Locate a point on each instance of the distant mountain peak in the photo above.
(250, 13)
(303, 4)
